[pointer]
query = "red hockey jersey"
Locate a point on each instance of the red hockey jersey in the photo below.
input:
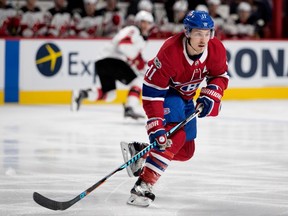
(172, 68)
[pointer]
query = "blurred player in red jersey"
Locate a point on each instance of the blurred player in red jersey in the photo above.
(123, 62)
(183, 62)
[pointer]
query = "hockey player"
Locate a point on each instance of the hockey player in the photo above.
(182, 63)
(123, 63)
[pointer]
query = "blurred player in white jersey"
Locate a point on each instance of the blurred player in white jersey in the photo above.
(170, 84)
(124, 63)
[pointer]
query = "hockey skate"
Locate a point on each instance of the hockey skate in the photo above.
(128, 151)
(129, 112)
(77, 97)
(141, 194)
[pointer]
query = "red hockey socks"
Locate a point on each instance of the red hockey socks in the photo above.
(156, 163)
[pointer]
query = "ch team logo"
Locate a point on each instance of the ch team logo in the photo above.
(49, 59)
(188, 88)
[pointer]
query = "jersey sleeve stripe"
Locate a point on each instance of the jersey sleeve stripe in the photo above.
(126, 40)
(154, 86)
(150, 93)
(152, 99)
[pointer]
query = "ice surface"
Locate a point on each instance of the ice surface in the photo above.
(240, 166)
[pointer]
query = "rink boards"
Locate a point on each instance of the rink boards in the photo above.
(45, 71)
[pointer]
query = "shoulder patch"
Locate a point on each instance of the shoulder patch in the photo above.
(157, 63)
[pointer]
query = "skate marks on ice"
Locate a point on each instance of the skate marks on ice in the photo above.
(239, 167)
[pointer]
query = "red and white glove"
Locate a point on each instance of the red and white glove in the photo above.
(156, 131)
(210, 96)
(138, 62)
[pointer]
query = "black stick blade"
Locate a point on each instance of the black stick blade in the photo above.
(50, 204)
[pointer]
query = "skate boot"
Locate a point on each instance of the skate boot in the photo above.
(141, 194)
(129, 112)
(77, 97)
(128, 151)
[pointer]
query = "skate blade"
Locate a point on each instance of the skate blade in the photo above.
(139, 201)
(126, 157)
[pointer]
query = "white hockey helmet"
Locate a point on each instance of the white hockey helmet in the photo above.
(145, 5)
(144, 16)
(181, 5)
(213, 2)
(90, 1)
(244, 6)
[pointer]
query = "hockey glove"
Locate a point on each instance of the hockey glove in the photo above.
(139, 62)
(156, 132)
(210, 97)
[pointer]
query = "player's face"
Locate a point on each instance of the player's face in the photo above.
(145, 27)
(60, 3)
(199, 39)
(31, 2)
(90, 8)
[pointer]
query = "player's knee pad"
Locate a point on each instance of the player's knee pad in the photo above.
(178, 139)
(186, 152)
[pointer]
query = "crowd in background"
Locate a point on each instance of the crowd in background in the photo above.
(237, 19)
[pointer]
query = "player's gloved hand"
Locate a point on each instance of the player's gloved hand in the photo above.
(156, 132)
(210, 96)
(139, 62)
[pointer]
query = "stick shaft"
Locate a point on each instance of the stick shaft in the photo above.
(57, 205)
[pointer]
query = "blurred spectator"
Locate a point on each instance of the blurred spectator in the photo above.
(134, 7)
(75, 6)
(250, 21)
(192, 4)
(180, 9)
(9, 22)
(112, 18)
(219, 21)
(168, 28)
(241, 26)
(233, 4)
(58, 20)
(4, 5)
(88, 24)
(32, 20)
(213, 9)
(262, 15)
(59, 7)
(202, 7)
(30, 6)
(145, 5)
(89, 8)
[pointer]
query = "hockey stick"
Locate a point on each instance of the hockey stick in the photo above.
(58, 205)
